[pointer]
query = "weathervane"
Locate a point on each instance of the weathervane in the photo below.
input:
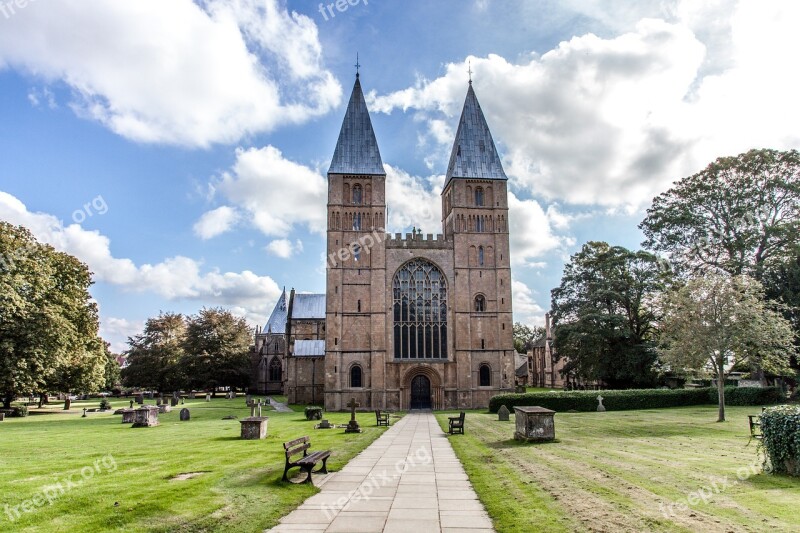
(470, 72)
(357, 65)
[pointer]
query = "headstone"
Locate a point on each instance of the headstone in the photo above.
(248, 399)
(131, 407)
(191, 395)
(150, 395)
(324, 424)
(208, 397)
(158, 402)
(84, 413)
(258, 410)
(600, 408)
(128, 416)
(174, 401)
(2, 416)
(503, 413)
(254, 428)
(352, 426)
(164, 408)
(145, 417)
(140, 400)
(185, 415)
(183, 400)
(252, 410)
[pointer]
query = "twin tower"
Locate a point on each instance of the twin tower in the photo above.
(407, 322)
(417, 321)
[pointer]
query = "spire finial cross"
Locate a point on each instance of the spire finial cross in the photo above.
(357, 65)
(470, 72)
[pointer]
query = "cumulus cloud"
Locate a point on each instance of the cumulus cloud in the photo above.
(174, 278)
(284, 248)
(272, 193)
(117, 330)
(413, 201)
(178, 72)
(613, 121)
(533, 231)
(215, 222)
(526, 310)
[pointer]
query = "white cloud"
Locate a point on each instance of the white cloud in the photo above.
(174, 278)
(532, 231)
(284, 248)
(216, 222)
(272, 193)
(613, 121)
(413, 202)
(117, 330)
(178, 72)
(526, 310)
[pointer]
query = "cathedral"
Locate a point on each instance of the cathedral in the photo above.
(408, 321)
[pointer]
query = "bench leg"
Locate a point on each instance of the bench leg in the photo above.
(285, 470)
(324, 468)
(308, 469)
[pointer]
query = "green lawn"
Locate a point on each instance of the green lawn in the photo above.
(129, 485)
(623, 471)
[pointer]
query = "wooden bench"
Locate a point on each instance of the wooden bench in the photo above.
(755, 426)
(308, 461)
(457, 424)
(381, 418)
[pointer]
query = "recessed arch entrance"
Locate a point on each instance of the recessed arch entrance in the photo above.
(421, 388)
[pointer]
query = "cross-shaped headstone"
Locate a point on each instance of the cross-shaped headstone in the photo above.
(352, 404)
(600, 408)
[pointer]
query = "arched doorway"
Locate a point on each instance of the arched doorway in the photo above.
(420, 392)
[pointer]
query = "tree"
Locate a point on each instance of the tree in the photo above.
(524, 336)
(604, 315)
(217, 348)
(48, 321)
(716, 320)
(738, 215)
(154, 354)
(112, 375)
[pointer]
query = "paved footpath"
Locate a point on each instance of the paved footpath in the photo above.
(407, 481)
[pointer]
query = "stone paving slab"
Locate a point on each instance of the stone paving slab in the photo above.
(408, 481)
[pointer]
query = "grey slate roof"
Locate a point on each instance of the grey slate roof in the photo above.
(357, 149)
(522, 370)
(308, 306)
(309, 348)
(474, 154)
(277, 320)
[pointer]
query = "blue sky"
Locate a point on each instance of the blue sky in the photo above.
(180, 148)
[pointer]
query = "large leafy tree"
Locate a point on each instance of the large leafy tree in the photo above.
(217, 349)
(524, 336)
(112, 375)
(153, 356)
(604, 315)
(782, 284)
(715, 320)
(48, 321)
(738, 215)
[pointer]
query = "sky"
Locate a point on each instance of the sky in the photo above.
(180, 148)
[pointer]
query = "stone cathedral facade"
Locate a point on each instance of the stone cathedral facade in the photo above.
(407, 321)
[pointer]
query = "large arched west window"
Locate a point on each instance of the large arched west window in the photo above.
(420, 311)
(485, 376)
(356, 375)
(275, 369)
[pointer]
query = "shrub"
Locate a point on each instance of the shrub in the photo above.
(19, 411)
(625, 400)
(313, 412)
(751, 395)
(780, 427)
(105, 404)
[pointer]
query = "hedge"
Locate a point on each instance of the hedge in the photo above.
(780, 427)
(626, 400)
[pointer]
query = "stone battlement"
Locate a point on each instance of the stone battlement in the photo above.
(418, 240)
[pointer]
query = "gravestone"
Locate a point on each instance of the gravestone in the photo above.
(503, 413)
(208, 397)
(131, 407)
(352, 426)
(145, 417)
(185, 415)
(174, 402)
(164, 408)
(191, 395)
(252, 410)
(150, 395)
(2, 416)
(601, 408)
(158, 402)
(183, 400)
(140, 400)
(84, 413)
(254, 427)
(324, 424)
(128, 416)
(534, 424)
(248, 399)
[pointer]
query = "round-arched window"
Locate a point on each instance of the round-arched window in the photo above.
(420, 311)
(356, 377)
(485, 376)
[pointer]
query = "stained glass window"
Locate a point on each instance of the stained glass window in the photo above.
(420, 311)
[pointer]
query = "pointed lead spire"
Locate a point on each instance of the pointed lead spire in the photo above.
(357, 149)
(474, 154)
(277, 320)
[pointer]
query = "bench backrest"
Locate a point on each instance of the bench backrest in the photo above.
(296, 446)
(461, 417)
